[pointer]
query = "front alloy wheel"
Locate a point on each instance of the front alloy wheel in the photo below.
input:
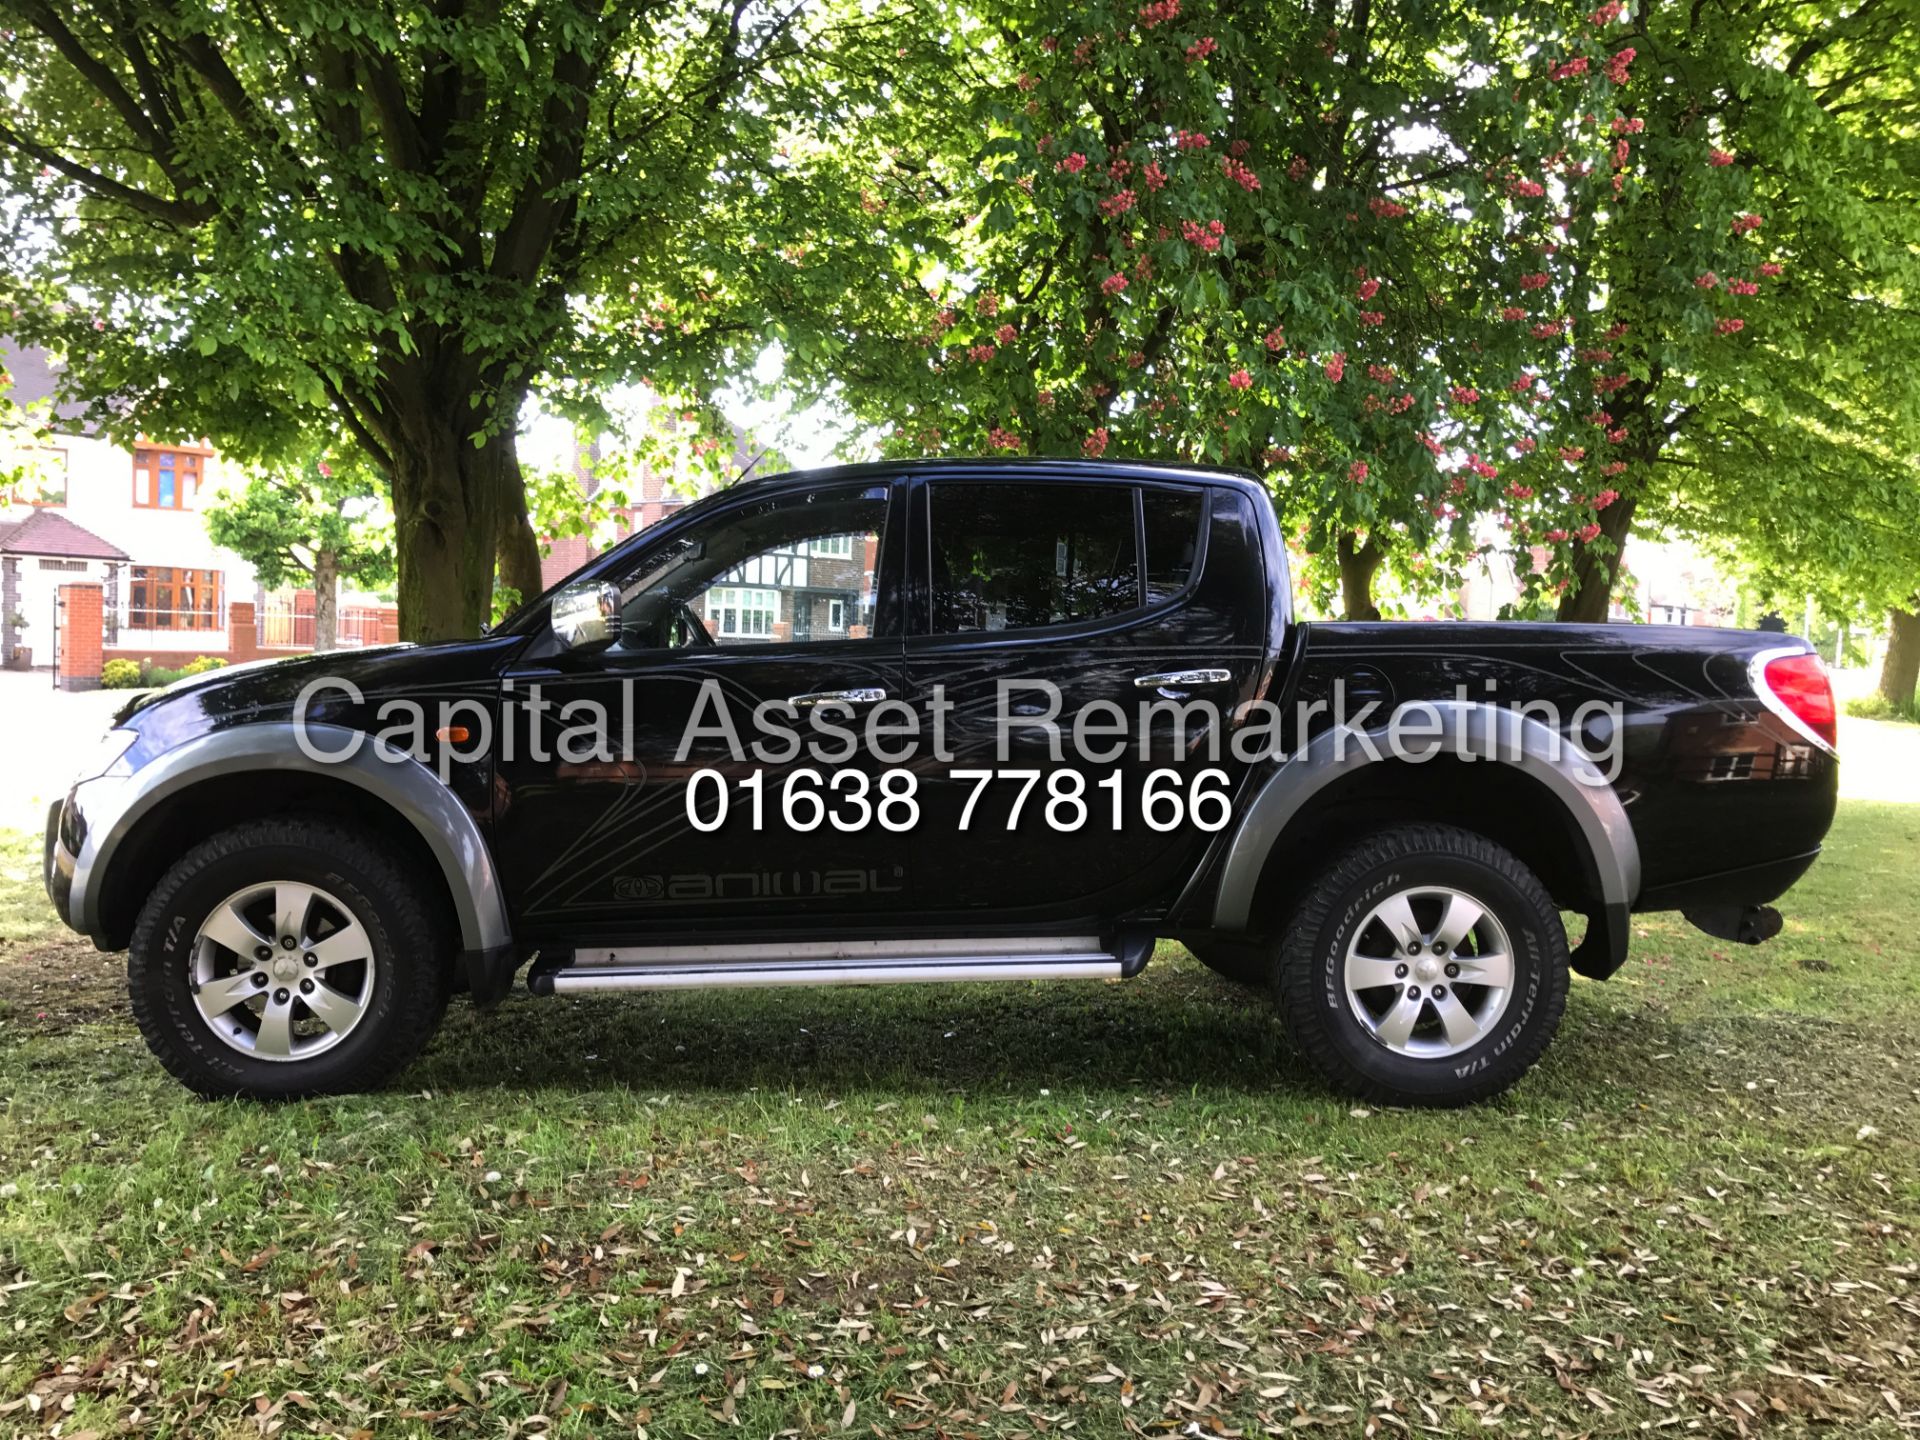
(283, 971)
(284, 958)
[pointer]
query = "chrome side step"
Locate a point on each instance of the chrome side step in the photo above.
(837, 962)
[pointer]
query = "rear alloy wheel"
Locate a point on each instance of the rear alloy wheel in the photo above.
(285, 958)
(1426, 966)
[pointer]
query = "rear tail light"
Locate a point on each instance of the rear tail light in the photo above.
(1793, 684)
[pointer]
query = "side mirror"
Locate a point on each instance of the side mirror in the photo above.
(585, 615)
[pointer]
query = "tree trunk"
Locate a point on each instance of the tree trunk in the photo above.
(326, 600)
(1358, 565)
(449, 501)
(519, 557)
(1588, 598)
(1901, 670)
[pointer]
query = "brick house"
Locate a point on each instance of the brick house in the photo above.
(129, 519)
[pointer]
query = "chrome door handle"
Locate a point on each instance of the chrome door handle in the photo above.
(837, 697)
(1183, 679)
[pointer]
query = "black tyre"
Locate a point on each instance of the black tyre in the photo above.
(1426, 966)
(285, 958)
(1239, 961)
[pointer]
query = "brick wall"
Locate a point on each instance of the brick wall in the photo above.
(82, 629)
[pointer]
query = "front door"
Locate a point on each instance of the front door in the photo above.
(682, 816)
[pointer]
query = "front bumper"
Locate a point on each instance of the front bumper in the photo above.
(74, 828)
(57, 869)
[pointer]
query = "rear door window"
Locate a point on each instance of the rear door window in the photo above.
(1020, 557)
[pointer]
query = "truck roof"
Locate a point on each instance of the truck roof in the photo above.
(1025, 467)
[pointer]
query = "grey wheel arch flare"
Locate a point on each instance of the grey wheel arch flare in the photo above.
(1561, 768)
(443, 824)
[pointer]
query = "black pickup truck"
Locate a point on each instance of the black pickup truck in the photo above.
(941, 721)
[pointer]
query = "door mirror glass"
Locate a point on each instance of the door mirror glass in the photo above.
(584, 615)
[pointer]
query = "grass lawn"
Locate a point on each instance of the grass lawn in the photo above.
(1105, 1209)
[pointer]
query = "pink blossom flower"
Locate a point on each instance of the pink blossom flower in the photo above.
(1240, 379)
(1568, 69)
(1190, 140)
(1385, 209)
(1573, 454)
(1526, 445)
(1357, 471)
(1074, 163)
(1513, 312)
(1623, 125)
(1158, 13)
(1719, 157)
(1606, 14)
(1005, 334)
(1207, 236)
(1095, 444)
(1002, 439)
(1744, 224)
(1113, 284)
(1368, 289)
(1241, 174)
(1298, 168)
(981, 353)
(987, 304)
(1556, 536)
(1742, 287)
(1519, 491)
(1117, 203)
(1464, 395)
(1732, 325)
(1605, 498)
(1535, 281)
(1336, 367)
(1708, 281)
(1201, 49)
(1528, 189)
(1275, 339)
(1618, 66)
(1770, 270)
(1154, 176)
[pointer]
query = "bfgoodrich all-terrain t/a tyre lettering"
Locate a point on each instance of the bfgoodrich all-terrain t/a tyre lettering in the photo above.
(285, 958)
(1426, 966)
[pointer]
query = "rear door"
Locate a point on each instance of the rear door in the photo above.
(1138, 604)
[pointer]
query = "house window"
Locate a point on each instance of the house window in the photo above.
(162, 479)
(79, 565)
(743, 614)
(162, 598)
(43, 479)
(836, 615)
(838, 547)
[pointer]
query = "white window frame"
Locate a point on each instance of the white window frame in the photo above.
(836, 616)
(838, 547)
(736, 609)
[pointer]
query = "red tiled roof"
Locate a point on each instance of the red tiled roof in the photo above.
(48, 533)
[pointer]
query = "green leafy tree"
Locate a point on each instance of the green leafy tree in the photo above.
(253, 223)
(315, 522)
(1751, 289)
(1318, 240)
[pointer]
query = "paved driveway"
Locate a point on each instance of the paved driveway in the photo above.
(46, 735)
